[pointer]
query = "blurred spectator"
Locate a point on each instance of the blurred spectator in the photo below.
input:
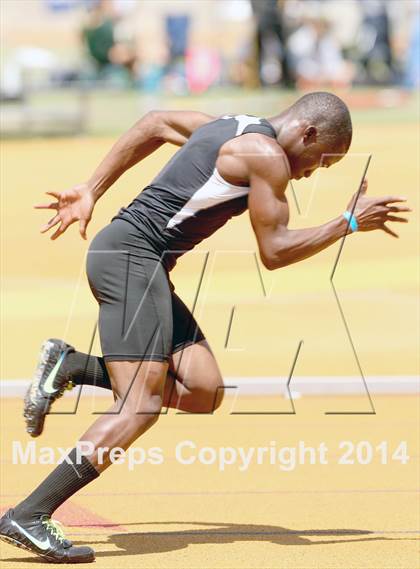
(273, 66)
(317, 56)
(177, 28)
(99, 35)
(375, 42)
(202, 68)
(177, 34)
(412, 69)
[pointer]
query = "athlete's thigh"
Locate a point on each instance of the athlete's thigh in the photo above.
(192, 362)
(132, 289)
(196, 367)
(185, 329)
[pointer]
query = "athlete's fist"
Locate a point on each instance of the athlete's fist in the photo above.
(72, 205)
(373, 213)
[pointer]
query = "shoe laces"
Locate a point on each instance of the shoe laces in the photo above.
(55, 528)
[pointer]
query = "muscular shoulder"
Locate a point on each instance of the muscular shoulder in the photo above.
(264, 157)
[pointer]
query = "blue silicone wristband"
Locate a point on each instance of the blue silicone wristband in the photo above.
(352, 221)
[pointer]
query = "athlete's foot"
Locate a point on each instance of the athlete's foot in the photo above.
(48, 384)
(44, 537)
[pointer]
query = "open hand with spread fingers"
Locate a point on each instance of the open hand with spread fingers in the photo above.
(373, 213)
(72, 205)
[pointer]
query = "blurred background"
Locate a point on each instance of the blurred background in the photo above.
(77, 73)
(61, 58)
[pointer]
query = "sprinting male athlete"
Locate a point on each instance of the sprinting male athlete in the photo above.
(154, 353)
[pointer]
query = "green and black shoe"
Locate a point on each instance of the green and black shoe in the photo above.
(44, 537)
(48, 384)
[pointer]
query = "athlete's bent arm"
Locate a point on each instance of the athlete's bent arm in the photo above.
(269, 213)
(146, 136)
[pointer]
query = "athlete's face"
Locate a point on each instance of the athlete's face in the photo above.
(310, 153)
(306, 164)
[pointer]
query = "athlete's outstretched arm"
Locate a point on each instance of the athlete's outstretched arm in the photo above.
(269, 212)
(146, 136)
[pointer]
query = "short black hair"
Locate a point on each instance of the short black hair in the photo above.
(329, 114)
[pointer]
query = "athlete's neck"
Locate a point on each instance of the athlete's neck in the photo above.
(286, 126)
(279, 123)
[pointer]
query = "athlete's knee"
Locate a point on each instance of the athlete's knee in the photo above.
(219, 396)
(209, 396)
(141, 407)
(138, 414)
(144, 403)
(146, 418)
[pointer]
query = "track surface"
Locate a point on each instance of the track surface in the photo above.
(186, 516)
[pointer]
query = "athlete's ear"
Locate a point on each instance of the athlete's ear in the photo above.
(310, 134)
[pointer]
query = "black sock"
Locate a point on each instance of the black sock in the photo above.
(85, 369)
(64, 481)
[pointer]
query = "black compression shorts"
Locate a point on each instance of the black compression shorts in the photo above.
(140, 316)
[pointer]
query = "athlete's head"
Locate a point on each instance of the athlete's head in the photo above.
(314, 132)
